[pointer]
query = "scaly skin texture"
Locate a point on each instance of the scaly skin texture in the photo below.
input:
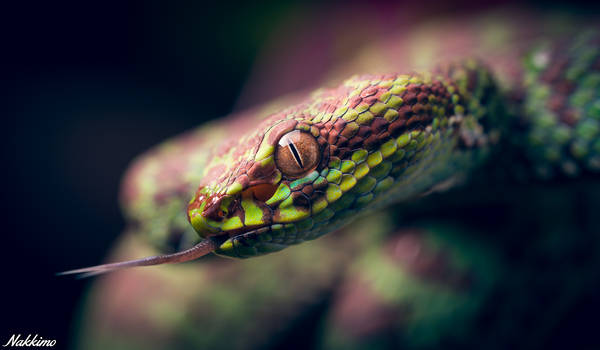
(527, 105)
(382, 139)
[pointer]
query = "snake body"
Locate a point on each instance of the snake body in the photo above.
(382, 139)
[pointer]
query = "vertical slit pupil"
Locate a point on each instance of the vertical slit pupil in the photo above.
(296, 154)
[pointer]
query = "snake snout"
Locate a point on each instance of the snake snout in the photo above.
(206, 212)
(218, 213)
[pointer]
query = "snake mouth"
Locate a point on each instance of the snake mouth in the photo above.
(257, 241)
(231, 234)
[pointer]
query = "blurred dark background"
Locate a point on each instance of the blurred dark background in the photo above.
(86, 86)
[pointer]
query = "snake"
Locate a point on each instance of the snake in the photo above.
(448, 169)
(298, 168)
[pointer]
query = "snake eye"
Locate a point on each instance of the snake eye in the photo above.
(297, 153)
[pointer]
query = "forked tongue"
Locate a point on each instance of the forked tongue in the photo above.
(200, 249)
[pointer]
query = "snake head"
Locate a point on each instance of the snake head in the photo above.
(306, 170)
(253, 203)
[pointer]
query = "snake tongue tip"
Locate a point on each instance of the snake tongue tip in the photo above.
(203, 248)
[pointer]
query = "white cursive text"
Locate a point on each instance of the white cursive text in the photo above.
(15, 340)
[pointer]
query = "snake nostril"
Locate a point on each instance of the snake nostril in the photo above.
(213, 210)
